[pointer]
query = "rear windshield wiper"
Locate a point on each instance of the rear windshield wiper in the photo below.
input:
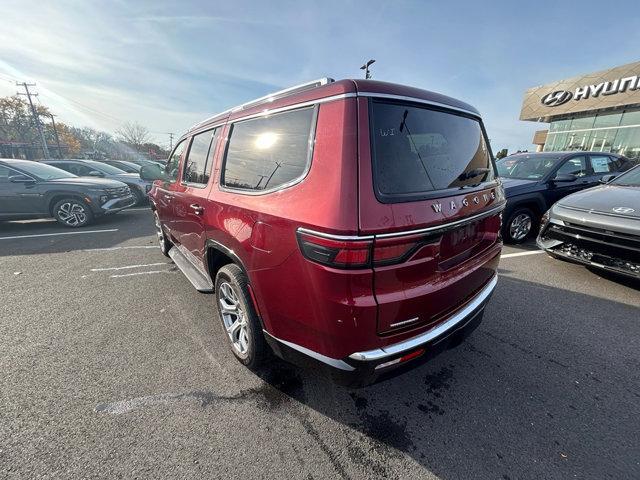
(473, 173)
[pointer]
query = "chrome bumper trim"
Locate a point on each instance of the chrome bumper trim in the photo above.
(457, 318)
(332, 362)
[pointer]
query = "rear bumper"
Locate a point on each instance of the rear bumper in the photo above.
(364, 368)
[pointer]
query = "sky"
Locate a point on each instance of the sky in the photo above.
(168, 65)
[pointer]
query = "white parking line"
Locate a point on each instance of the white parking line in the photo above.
(141, 273)
(105, 249)
(522, 254)
(127, 267)
(82, 232)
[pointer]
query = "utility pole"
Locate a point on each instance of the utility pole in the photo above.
(36, 118)
(365, 67)
(170, 141)
(55, 132)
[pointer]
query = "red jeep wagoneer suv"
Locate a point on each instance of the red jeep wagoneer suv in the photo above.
(352, 224)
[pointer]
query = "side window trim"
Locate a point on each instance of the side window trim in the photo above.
(169, 160)
(208, 160)
(291, 183)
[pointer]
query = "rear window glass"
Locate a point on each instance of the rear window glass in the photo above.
(419, 150)
(269, 152)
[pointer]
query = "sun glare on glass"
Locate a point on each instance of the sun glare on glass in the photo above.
(266, 140)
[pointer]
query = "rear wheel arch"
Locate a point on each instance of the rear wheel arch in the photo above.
(218, 256)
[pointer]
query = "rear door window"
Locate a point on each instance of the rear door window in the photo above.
(603, 164)
(270, 152)
(197, 165)
(418, 151)
(574, 166)
(173, 164)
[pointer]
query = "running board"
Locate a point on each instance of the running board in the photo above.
(195, 276)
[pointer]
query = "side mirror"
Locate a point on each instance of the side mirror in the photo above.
(21, 179)
(151, 173)
(607, 178)
(565, 178)
(95, 173)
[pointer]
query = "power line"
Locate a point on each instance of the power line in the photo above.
(36, 118)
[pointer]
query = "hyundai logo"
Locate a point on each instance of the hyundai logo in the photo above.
(623, 210)
(556, 98)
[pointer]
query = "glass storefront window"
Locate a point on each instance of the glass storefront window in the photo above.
(560, 125)
(611, 120)
(578, 140)
(581, 123)
(627, 142)
(631, 118)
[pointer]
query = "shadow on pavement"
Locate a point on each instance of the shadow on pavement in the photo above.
(47, 236)
(533, 393)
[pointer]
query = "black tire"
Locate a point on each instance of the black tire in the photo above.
(256, 347)
(164, 243)
(140, 198)
(513, 230)
(72, 212)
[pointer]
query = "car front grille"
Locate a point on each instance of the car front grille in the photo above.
(118, 192)
(613, 250)
(597, 240)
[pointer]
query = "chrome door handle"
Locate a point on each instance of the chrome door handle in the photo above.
(197, 208)
(167, 197)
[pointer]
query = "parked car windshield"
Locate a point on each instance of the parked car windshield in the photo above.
(630, 178)
(42, 171)
(103, 167)
(527, 167)
(127, 167)
(418, 150)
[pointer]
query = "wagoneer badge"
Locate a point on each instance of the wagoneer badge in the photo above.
(437, 207)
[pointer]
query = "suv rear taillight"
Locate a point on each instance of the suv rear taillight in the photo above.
(359, 252)
(337, 253)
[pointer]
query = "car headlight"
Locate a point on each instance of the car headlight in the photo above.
(544, 221)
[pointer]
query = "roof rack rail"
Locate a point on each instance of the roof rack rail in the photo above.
(271, 97)
(283, 93)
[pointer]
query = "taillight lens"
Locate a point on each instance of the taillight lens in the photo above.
(394, 250)
(356, 253)
(336, 253)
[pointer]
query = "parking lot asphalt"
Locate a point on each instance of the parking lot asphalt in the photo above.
(113, 366)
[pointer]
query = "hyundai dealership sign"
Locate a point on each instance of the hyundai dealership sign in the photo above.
(619, 85)
(607, 89)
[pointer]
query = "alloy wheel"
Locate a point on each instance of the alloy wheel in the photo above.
(234, 318)
(520, 226)
(72, 214)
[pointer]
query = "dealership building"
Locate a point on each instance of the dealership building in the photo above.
(599, 111)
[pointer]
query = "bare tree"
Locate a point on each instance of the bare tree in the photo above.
(134, 134)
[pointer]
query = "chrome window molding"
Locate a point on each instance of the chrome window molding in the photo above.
(311, 147)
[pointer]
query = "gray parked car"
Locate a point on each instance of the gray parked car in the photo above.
(33, 190)
(91, 168)
(599, 227)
